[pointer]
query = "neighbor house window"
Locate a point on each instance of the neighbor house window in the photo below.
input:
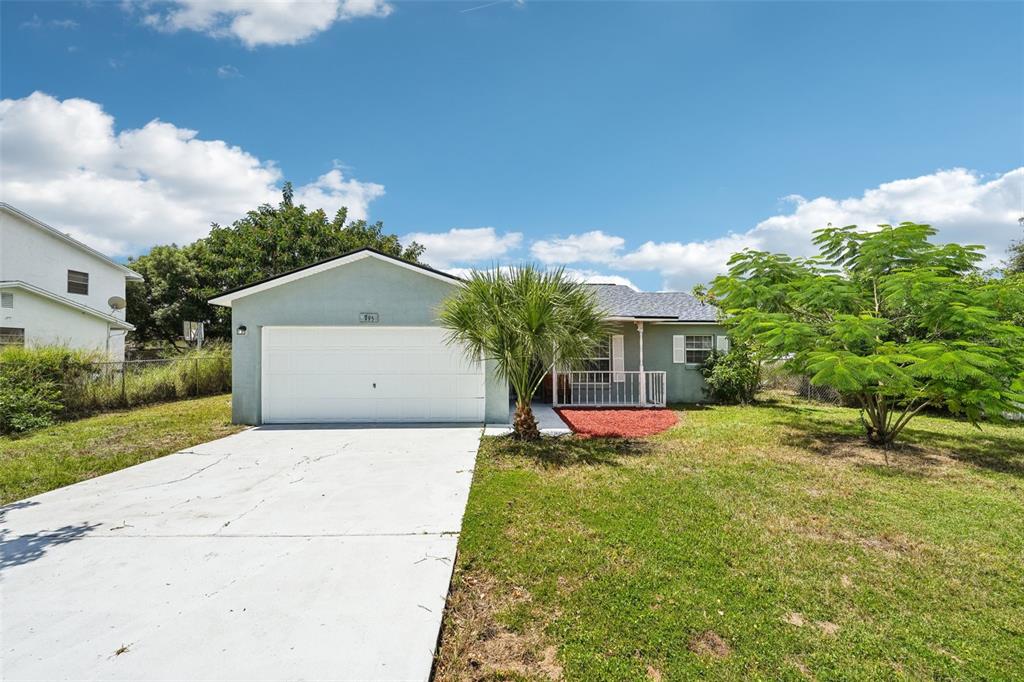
(12, 336)
(78, 282)
(692, 350)
(6, 300)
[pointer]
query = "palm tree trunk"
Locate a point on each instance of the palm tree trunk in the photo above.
(524, 426)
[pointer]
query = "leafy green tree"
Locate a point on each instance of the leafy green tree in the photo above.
(268, 241)
(524, 319)
(170, 293)
(702, 293)
(889, 318)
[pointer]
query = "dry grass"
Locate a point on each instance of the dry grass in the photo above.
(477, 645)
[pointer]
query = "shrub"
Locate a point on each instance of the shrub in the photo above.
(33, 383)
(732, 377)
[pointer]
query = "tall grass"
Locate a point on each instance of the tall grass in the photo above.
(41, 385)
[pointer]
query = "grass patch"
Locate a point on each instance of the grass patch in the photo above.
(75, 451)
(762, 542)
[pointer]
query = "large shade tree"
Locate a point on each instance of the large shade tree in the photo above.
(524, 319)
(889, 318)
(267, 241)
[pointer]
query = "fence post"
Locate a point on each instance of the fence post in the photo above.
(124, 392)
(197, 377)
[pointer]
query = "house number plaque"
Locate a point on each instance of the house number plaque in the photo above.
(369, 318)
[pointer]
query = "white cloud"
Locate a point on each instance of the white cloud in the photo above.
(331, 191)
(684, 264)
(263, 22)
(588, 276)
(964, 206)
(228, 71)
(122, 192)
(588, 247)
(594, 277)
(464, 245)
(36, 23)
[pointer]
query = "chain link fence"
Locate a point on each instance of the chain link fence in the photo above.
(104, 385)
(40, 386)
(775, 377)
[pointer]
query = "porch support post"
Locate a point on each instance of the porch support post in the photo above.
(643, 377)
(554, 384)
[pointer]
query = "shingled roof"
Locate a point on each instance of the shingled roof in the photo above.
(622, 301)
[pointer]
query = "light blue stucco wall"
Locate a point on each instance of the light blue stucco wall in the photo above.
(401, 297)
(684, 382)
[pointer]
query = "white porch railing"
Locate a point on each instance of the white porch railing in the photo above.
(607, 389)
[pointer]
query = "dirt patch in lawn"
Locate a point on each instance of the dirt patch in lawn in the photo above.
(709, 644)
(820, 528)
(607, 422)
(476, 646)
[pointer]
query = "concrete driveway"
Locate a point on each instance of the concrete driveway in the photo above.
(277, 553)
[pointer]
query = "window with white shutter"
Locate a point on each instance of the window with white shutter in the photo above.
(698, 349)
(618, 358)
(679, 349)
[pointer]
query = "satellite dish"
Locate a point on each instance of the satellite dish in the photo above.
(117, 303)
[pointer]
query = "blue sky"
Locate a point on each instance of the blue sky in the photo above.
(589, 128)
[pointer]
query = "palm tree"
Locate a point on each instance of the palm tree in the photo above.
(523, 319)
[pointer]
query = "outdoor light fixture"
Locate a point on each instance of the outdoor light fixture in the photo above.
(241, 330)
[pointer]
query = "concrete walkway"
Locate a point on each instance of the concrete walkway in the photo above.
(273, 554)
(547, 419)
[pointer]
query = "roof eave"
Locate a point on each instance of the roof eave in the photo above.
(640, 318)
(109, 319)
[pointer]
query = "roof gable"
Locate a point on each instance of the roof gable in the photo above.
(228, 297)
(67, 239)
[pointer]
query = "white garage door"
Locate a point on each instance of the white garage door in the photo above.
(367, 374)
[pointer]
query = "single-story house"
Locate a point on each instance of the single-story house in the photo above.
(356, 339)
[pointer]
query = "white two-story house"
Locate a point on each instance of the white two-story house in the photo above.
(55, 290)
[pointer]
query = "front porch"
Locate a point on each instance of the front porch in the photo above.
(595, 388)
(604, 381)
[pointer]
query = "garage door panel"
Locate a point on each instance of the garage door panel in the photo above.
(277, 361)
(470, 386)
(337, 374)
(387, 385)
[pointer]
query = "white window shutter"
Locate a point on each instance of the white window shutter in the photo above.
(679, 349)
(618, 358)
(722, 344)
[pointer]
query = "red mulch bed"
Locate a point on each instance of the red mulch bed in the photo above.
(607, 422)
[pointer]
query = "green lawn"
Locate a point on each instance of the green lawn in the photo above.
(61, 455)
(757, 542)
